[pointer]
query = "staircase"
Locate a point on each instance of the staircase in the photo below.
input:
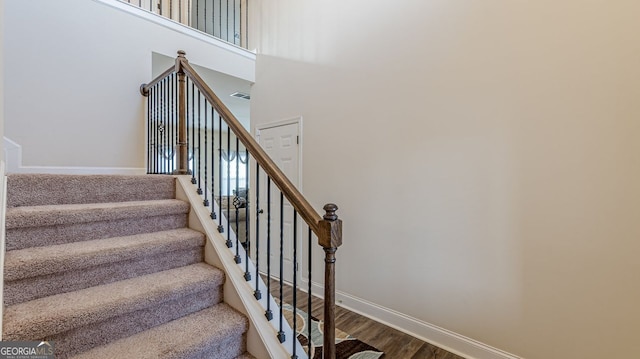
(105, 267)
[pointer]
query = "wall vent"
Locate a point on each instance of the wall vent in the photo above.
(241, 95)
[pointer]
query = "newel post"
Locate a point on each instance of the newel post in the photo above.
(330, 239)
(183, 156)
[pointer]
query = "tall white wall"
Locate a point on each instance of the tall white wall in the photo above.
(73, 69)
(484, 156)
(2, 21)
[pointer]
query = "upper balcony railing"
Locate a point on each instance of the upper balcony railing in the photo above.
(224, 19)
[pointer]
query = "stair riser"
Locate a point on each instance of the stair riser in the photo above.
(20, 238)
(231, 348)
(86, 337)
(33, 288)
(37, 190)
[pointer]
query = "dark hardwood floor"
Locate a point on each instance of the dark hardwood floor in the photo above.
(394, 343)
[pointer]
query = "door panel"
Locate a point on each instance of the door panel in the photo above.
(281, 144)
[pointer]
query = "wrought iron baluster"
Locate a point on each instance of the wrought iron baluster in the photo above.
(206, 148)
(220, 226)
(309, 295)
(247, 206)
(199, 147)
(170, 112)
(229, 242)
(281, 336)
(213, 164)
(295, 282)
(150, 142)
(193, 134)
(256, 292)
(165, 121)
(237, 258)
(268, 313)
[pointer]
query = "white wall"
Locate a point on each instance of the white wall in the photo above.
(484, 156)
(73, 69)
(2, 108)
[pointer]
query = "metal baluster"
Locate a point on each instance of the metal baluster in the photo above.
(220, 18)
(281, 336)
(220, 227)
(237, 258)
(173, 117)
(189, 17)
(156, 136)
(206, 129)
(149, 130)
(213, 19)
(165, 123)
(257, 293)
(205, 16)
(234, 21)
(174, 122)
(199, 176)
(227, 21)
(311, 355)
(193, 133)
(190, 121)
(171, 9)
(247, 237)
(229, 242)
(213, 165)
(160, 8)
(295, 281)
(246, 24)
(268, 313)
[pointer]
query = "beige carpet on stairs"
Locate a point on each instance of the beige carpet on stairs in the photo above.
(105, 267)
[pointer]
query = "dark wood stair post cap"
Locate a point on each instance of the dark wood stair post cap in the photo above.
(181, 53)
(330, 210)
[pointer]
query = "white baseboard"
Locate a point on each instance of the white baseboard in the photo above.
(13, 161)
(443, 338)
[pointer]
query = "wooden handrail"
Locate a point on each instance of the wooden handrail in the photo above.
(144, 88)
(328, 228)
(297, 200)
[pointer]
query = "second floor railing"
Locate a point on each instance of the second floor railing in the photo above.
(225, 19)
(191, 132)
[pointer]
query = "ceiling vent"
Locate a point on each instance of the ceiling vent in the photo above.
(241, 95)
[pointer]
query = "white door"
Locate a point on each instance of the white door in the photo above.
(282, 144)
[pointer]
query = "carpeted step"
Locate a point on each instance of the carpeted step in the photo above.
(216, 332)
(48, 189)
(38, 272)
(246, 356)
(85, 318)
(37, 226)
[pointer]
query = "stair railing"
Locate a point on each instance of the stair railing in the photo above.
(227, 20)
(190, 131)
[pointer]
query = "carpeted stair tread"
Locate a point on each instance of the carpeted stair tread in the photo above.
(40, 261)
(59, 313)
(57, 215)
(49, 189)
(216, 332)
(246, 356)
